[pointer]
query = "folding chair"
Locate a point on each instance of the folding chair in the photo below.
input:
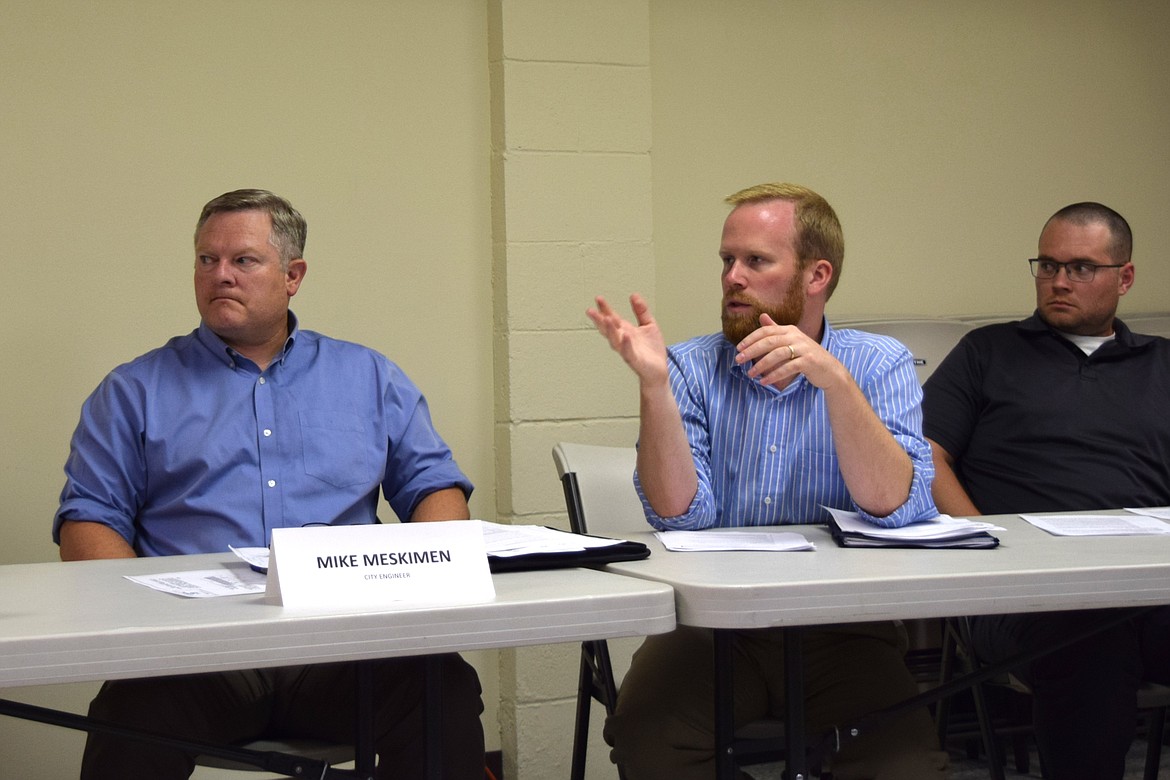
(929, 340)
(329, 752)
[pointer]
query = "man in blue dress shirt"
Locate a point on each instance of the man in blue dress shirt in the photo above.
(250, 423)
(765, 424)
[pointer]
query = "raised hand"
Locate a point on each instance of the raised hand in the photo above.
(639, 343)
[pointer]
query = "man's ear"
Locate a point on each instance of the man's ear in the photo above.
(818, 274)
(295, 275)
(1125, 279)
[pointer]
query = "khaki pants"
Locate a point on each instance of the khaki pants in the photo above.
(664, 723)
(303, 701)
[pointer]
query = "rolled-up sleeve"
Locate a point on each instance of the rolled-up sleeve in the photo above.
(418, 461)
(896, 398)
(105, 474)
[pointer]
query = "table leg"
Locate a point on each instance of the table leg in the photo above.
(364, 748)
(365, 751)
(434, 717)
(794, 702)
(725, 764)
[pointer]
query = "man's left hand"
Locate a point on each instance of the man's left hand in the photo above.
(779, 352)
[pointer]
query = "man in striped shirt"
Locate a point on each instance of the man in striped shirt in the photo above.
(765, 424)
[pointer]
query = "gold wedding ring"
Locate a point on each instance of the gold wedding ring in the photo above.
(791, 353)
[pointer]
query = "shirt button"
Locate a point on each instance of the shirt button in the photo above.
(272, 483)
(772, 448)
(263, 381)
(767, 499)
(267, 432)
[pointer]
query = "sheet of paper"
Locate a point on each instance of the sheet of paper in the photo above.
(1099, 525)
(508, 540)
(940, 527)
(725, 539)
(1160, 512)
(253, 556)
(209, 583)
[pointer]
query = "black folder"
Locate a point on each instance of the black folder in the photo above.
(977, 540)
(590, 556)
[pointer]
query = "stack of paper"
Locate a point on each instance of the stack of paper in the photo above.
(508, 540)
(944, 531)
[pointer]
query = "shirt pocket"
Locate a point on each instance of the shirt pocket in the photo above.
(338, 448)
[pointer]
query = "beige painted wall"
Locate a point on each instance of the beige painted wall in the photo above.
(944, 133)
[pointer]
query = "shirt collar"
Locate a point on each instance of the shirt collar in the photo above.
(227, 355)
(1121, 333)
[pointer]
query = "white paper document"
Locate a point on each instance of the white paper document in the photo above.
(208, 583)
(253, 556)
(723, 539)
(503, 541)
(1161, 512)
(1099, 525)
(940, 527)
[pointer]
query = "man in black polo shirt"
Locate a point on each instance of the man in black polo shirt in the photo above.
(1064, 411)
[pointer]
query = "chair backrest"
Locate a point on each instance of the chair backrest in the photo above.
(599, 488)
(979, 320)
(1149, 324)
(929, 340)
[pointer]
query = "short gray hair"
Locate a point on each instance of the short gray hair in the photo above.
(289, 230)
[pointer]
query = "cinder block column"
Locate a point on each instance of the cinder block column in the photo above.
(571, 218)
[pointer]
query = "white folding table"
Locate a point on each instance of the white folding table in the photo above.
(1031, 571)
(79, 621)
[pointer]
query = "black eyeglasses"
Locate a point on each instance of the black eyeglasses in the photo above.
(1077, 270)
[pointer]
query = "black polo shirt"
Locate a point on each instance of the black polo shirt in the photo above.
(1036, 425)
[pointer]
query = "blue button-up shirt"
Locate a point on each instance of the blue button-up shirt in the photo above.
(766, 456)
(191, 448)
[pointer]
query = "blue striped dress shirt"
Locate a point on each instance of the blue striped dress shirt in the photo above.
(766, 456)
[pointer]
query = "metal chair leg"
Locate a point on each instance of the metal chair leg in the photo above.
(1154, 734)
(595, 681)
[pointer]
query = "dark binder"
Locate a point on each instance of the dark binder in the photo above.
(977, 540)
(590, 556)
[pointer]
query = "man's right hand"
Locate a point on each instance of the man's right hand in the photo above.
(640, 345)
(665, 466)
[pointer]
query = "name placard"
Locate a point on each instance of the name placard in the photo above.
(397, 564)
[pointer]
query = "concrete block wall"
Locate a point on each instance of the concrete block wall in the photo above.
(571, 219)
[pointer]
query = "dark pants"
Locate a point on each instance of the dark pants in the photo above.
(664, 725)
(303, 701)
(1084, 695)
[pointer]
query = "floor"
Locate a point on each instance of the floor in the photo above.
(964, 768)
